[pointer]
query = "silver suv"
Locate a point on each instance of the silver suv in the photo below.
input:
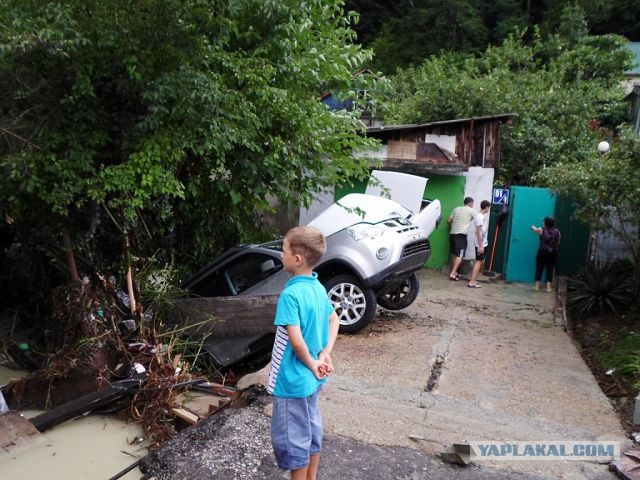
(375, 246)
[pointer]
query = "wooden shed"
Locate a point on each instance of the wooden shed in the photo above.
(443, 146)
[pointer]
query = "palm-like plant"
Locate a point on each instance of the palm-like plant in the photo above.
(599, 287)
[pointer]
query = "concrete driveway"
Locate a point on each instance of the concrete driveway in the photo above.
(466, 364)
(459, 365)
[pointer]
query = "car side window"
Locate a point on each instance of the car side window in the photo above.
(214, 285)
(248, 270)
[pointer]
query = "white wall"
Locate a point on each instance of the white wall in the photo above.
(320, 203)
(445, 141)
(479, 186)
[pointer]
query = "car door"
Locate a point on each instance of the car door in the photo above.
(256, 273)
(247, 273)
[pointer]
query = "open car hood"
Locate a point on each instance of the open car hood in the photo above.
(357, 208)
(404, 188)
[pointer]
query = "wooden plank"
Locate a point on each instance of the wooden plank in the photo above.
(402, 149)
(432, 153)
(85, 404)
(418, 167)
(201, 403)
(225, 316)
(188, 417)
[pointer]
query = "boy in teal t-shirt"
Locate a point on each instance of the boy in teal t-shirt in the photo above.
(306, 331)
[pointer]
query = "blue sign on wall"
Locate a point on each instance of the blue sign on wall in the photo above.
(500, 196)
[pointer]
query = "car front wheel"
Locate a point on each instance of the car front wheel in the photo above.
(354, 304)
(400, 295)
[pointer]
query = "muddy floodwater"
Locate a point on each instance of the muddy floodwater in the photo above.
(92, 447)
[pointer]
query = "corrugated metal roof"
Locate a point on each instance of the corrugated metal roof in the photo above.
(412, 126)
(635, 49)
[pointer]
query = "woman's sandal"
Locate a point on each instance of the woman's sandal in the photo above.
(454, 279)
(477, 285)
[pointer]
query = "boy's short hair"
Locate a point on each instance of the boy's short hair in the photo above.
(308, 242)
(484, 204)
(468, 200)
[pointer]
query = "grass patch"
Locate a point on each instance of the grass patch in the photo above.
(625, 358)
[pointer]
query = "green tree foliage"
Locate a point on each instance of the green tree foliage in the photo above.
(170, 123)
(606, 187)
(449, 24)
(405, 32)
(560, 89)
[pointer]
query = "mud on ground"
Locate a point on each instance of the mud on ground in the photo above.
(458, 365)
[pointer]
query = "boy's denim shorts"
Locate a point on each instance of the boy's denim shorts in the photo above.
(296, 430)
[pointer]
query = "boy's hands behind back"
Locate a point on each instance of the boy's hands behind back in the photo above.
(320, 369)
(326, 366)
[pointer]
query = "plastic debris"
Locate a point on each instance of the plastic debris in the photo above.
(129, 324)
(123, 298)
(3, 404)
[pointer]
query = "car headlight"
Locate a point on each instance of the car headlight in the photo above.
(364, 231)
(382, 253)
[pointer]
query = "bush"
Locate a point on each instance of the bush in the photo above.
(625, 358)
(600, 287)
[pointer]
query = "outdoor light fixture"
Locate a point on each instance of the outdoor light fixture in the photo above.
(603, 146)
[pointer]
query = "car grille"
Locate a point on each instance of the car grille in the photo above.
(407, 229)
(416, 247)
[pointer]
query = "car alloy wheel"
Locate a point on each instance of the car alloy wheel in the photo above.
(354, 304)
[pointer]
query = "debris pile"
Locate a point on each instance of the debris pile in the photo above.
(100, 354)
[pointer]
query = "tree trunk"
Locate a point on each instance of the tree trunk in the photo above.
(71, 259)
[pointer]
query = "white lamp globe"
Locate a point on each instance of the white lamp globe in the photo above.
(603, 146)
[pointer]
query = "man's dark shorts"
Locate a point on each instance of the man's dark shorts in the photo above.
(458, 244)
(480, 256)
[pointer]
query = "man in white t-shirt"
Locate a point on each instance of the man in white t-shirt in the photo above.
(481, 238)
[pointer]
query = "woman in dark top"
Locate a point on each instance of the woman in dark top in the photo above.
(547, 251)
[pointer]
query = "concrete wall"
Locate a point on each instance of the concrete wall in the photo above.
(479, 184)
(319, 204)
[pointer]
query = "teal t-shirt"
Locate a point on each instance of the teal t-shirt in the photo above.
(303, 302)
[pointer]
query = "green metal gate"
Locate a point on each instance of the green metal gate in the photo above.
(512, 244)
(574, 247)
(528, 207)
